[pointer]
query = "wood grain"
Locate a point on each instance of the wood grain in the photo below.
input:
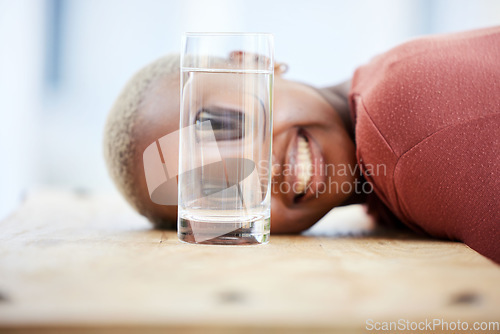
(77, 262)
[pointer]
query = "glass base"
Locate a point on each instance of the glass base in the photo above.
(195, 231)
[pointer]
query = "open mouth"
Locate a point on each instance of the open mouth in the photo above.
(306, 160)
(303, 166)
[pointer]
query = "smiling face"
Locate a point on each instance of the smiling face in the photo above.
(307, 131)
(310, 146)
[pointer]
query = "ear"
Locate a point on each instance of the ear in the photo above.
(280, 68)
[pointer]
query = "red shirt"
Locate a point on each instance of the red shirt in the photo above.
(429, 111)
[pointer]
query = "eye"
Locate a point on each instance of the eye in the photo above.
(227, 124)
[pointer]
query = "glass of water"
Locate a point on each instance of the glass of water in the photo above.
(225, 138)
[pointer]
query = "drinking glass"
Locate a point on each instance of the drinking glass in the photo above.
(225, 138)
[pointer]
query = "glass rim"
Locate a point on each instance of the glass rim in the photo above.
(221, 33)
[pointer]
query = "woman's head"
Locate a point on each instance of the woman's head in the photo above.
(306, 130)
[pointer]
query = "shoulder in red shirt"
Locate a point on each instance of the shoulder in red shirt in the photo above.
(429, 110)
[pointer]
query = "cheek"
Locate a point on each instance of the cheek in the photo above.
(342, 168)
(280, 119)
(288, 110)
(286, 220)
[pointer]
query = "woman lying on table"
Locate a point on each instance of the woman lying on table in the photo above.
(421, 122)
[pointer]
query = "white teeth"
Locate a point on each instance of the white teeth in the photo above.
(304, 166)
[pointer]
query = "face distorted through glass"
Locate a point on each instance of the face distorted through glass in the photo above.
(310, 142)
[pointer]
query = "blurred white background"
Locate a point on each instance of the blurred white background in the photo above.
(63, 62)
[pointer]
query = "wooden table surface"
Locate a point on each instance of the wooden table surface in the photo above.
(77, 262)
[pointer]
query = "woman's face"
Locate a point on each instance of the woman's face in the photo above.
(300, 111)
(306, 130)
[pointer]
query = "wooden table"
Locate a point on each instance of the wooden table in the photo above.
(78, 262)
